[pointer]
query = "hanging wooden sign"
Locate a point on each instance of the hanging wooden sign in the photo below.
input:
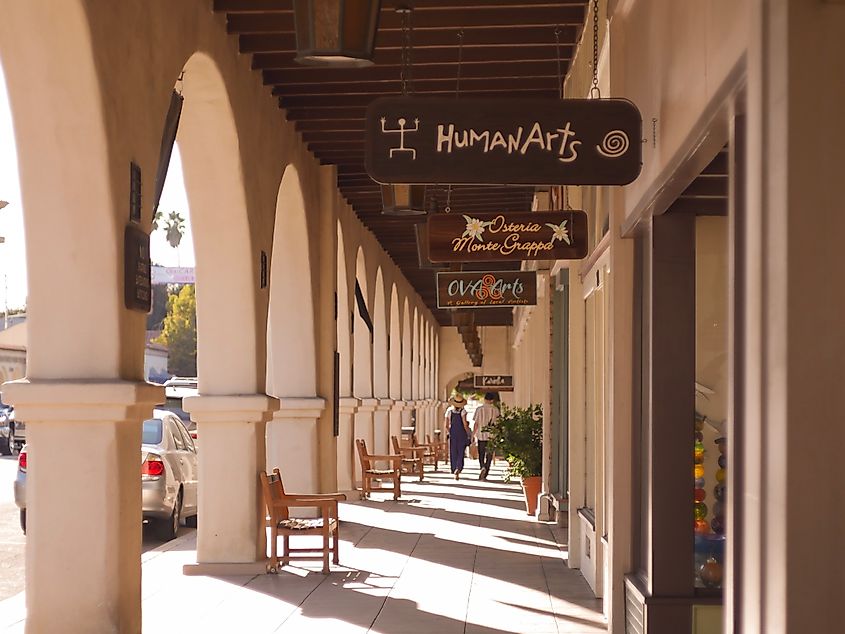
(547, 235)
(503, 141)
(491, 289)
(498, 382)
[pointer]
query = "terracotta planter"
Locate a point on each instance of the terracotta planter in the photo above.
(531, 488)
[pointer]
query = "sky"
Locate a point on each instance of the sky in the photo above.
(13, 281)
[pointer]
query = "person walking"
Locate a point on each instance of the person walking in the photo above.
(459, 433)
(484, 415)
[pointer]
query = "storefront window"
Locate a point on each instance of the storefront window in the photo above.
(711, 398)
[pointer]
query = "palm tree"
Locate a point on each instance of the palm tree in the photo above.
(174, 228)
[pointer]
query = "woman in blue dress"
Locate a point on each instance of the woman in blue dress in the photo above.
(459, 433)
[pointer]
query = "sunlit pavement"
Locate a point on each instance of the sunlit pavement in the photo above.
(450, 556)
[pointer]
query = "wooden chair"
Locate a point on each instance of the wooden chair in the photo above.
(412, 460)
(370, 472)
(429, 454)
(279, 503)
(441, 448)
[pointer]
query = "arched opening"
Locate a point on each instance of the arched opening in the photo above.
(406, 351)
(415, 356)
(395, 339)
(344, 339)
(381, 378)
(228, 351)
(291, 357)
(362, 352)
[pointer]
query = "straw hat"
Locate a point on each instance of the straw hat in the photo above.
(458, 400)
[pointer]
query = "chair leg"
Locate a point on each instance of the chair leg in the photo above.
(286, 550)
(396, 486)
(274, 556)
(336, 549)
(326, 550)
(420, 465)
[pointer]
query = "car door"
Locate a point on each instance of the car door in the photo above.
(189, 466)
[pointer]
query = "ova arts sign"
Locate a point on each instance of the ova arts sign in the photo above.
(547, 235)
(486, 289)
(503, 141)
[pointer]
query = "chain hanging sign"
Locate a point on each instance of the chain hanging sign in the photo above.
(547, 235)
(486, 289)
(503, 141)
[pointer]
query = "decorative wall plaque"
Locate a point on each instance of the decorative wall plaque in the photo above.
(548, 235)
(503, 141)
(491, 289)
(137, 283)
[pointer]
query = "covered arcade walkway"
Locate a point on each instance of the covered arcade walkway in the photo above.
(448, 557)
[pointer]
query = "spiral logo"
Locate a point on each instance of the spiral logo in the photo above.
(614, 144)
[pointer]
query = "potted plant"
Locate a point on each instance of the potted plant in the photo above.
(518, 436)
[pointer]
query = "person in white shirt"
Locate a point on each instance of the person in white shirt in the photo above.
(484, 415)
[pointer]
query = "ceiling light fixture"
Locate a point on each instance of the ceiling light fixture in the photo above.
(337, 33)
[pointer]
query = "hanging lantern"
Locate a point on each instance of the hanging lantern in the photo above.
(335, 32)
(403, 200)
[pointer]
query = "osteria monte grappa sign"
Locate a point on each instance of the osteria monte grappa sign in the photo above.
(547, 235)
(486, 289)
(421, 140)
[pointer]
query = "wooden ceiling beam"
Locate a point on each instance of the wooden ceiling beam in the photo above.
(285, 6)
(427, 86)
(335, 100)
(423, 21)
(444, 55)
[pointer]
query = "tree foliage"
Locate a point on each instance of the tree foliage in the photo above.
(179, 332)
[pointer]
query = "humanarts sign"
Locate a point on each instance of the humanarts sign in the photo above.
(503, 141)
(548, 235)
(493, 289)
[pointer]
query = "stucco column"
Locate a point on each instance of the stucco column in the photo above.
(346, 454)
(395, 418)
(363, 428)
(83, 497)
(381, 426)
(545, 509)
(407, 411)
(292, 443)
(231, 535)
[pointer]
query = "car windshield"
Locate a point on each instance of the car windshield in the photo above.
(151, 432)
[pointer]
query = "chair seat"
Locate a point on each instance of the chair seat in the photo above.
(380, 471)
(300, 524)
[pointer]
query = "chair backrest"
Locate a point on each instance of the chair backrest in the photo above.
(363, 454)
(274, 491)
(397, 448)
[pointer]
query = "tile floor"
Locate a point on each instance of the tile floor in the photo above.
(450, 557)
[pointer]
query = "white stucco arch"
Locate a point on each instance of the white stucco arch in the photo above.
(362, 349)
(407, 393)
(291, 355)
(58, 113)
(415, 355)
(395, 338)
(344, 336)
(381, 376)
(227, 349)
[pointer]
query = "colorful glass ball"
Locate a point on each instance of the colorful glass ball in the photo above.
(702, 527)
(718, 525)
(699, 483)
(723, 462)
(698, 471)
(699, 436)
(720, 476)
(719, 492)
(700, 495)
(700, 510)
(699, 425)
(722, 444)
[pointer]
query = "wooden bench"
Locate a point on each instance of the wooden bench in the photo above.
(279, 503)
(412, 460)
(428, 453)
(370, 470)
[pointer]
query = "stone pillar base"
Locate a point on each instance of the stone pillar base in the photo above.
(346, 455)
(231, 526)
(83, 497)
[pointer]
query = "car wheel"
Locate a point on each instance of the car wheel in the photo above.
(191, 521)
(6, 447)
(169, 528)
(23, 521)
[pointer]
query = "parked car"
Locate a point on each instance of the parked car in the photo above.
(175, 389)
(17, 431)
(168, 475)
(7, 444)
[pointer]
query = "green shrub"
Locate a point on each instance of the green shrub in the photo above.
(518, 436)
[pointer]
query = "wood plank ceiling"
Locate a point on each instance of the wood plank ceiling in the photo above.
(509, 48)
